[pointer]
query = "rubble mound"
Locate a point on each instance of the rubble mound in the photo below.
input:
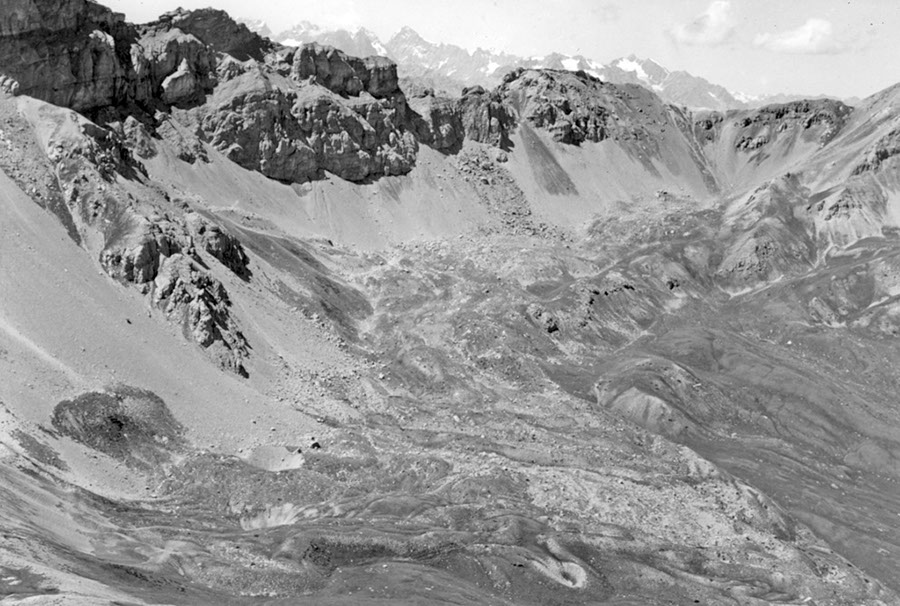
(126, 423)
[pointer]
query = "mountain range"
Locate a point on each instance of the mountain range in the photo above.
(275, 330)
(449, 68)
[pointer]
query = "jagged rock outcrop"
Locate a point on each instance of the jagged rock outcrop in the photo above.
(81, 55)
(343, 74)
(135, 230)
(219, 31)
(486, 117)
(199, 302)
(218, 243)
(438, 122)
(886, 147)
(160, 256)
(72, 53)
(819, 121)
(763, 125)
(174, 66)
(136, 256)
(293, 131)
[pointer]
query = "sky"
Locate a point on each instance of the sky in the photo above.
(837, 47)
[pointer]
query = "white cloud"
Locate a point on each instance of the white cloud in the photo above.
(816, 36)
(713, 27)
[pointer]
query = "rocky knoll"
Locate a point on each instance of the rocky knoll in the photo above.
(576, 107)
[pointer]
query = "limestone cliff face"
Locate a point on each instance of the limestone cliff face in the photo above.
(438, 122)
(486, 116)
(81, 55)
(293, 131)
(343, 74)
(172, 66)
(21, 17)
(73, 53)
(309, 110)
(218, 31)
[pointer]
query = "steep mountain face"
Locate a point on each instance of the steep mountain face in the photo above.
(275, 328)
(676, 87)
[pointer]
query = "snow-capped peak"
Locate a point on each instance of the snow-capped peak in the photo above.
(629, 64)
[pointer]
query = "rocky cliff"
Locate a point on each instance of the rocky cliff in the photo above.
(295, 113)
(79, 54)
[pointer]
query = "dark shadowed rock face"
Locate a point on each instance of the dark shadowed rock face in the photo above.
(438, 122)
(486, 117)
(69, 52)
(27, 16)
(78, 54)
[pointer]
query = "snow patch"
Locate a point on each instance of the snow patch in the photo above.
(490, 68)
(744, 97)
(570, 64)
(629, 65)
(291, 42)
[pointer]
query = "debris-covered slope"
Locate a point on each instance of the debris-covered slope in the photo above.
(277, 332)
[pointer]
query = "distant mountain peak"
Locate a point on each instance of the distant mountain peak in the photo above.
(447, 67)
(408, 35)
(257, 26)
